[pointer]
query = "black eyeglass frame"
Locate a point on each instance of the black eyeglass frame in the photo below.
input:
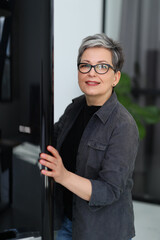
(94, 66)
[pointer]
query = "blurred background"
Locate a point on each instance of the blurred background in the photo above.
(135, 24)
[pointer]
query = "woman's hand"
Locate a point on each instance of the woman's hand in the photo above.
(76, 184)
(55, 164)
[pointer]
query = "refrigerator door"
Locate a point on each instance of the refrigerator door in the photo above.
(26, 123)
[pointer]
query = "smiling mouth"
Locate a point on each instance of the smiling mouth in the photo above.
(92, 83)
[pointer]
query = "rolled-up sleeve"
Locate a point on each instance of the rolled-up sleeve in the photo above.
(117, 166)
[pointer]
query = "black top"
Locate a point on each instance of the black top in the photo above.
(69, 150)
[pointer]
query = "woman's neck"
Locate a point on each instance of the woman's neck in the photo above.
(96, 100)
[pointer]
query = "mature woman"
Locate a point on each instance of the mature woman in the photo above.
(95, 143)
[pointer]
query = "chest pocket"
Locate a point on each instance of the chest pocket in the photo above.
(95, 155)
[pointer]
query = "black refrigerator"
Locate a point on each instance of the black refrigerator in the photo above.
(26, 118)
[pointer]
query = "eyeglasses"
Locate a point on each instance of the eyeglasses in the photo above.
(101, 68)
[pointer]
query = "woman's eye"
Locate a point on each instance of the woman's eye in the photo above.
(103, 67)
(85, 65)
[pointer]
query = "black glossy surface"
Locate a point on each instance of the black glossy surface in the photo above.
(27, 122)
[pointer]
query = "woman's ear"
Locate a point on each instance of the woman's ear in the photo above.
(117, 77)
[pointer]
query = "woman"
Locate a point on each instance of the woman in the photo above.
(96, 143)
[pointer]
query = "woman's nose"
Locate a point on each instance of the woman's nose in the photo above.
(92, 72)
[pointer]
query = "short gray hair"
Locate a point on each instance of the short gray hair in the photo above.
(102, 41)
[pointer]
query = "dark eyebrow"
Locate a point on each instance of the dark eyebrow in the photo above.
(85, 61)
(101, 61)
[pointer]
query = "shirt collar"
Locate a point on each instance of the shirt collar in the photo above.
(104, 112)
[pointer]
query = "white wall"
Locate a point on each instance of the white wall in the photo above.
(113, 18)
(73, 20)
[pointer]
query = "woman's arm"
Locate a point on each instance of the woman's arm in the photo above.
(78, 185)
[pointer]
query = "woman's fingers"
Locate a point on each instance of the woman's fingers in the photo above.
(55, 155)
(53, 151)
(49, 161)
(47, 157)
(53, 162)
(47, 173)
(50, 165)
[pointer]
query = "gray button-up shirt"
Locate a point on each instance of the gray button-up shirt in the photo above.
(106, 156)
